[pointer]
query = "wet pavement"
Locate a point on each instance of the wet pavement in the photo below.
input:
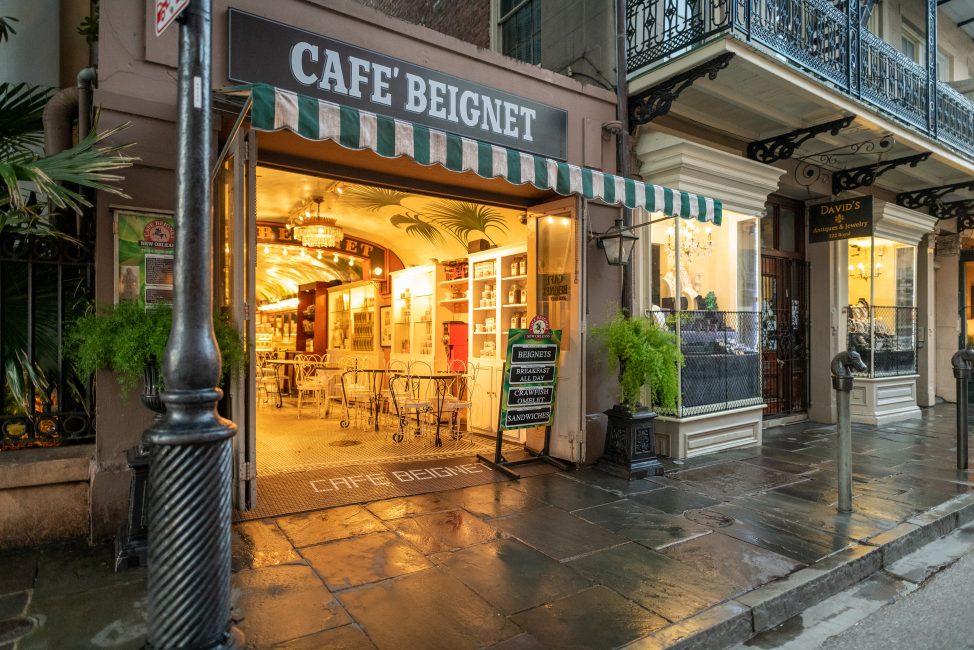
(727, 544)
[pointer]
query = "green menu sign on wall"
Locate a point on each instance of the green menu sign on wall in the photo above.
(530, 376)
(144, 256)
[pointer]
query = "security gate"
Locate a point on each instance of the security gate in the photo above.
(784, 328)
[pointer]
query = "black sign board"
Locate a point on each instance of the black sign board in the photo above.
(530, 395)
(843, 219)
(532, 374)
(270, 52)
(522, 354)
(520, 418)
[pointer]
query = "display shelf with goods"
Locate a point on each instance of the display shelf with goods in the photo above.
(454, 288)
(312, 318)
(498, 301)
(353, 317)
(277, 325)
(413, 313)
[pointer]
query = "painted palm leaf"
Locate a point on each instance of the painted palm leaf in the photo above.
(466, 221)
(372, 199)
(415, 226)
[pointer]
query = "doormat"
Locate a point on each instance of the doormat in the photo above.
(316, 489)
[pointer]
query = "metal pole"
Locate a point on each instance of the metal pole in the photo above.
(842, 366)
(622, 141)
(190, 473)
(962, 362)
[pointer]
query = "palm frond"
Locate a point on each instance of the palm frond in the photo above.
(462, 219)
(415, 226)
(372, 199)
(86, 164)
(21, 123)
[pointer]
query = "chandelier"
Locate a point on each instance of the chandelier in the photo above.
(861, 271)
(315, 230)
(692, 241)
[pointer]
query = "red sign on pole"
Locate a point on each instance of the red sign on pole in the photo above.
(166, 12)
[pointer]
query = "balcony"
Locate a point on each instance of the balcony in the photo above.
(817, 36)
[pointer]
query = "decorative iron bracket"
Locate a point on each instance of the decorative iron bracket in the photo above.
(850, 179)
(783, 146)
(930, 196)
(950, 209)
(656, 101)
(965, 222)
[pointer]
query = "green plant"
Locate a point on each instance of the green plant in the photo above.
(645, 354)
(127, 338)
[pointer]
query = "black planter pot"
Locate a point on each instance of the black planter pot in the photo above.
(131, 543)
(629, 452)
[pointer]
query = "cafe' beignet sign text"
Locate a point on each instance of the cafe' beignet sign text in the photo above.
(310, 64)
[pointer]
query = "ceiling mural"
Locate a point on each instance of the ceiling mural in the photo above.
(417, 228)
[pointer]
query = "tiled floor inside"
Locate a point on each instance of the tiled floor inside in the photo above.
(287, 442)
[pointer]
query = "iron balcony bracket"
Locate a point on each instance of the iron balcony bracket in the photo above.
(783, 146)
(850, 179)
(656, 101)
(930, 196)
(951, 209)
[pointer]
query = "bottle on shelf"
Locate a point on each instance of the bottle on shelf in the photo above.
(523, 266)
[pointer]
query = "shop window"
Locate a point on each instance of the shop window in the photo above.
(519, 29)
(882, 305)
(705, 284)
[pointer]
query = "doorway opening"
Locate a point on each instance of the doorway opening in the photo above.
(784, 309)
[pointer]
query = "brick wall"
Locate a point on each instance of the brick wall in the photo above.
(467, 20)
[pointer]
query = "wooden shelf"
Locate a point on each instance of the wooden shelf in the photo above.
(516, 304)
(454, 300)
(515, 277)
(484, 308)
(447, 283)
(484, 278)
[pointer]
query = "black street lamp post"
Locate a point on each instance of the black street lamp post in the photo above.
(191, 472)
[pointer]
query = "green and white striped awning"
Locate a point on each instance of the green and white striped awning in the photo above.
(275, 109)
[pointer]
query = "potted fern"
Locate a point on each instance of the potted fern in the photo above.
(130, 340)
(644, 354)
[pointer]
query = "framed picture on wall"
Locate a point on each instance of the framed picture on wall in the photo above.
(385, 326)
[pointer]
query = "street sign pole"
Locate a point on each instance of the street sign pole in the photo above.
(190, 474)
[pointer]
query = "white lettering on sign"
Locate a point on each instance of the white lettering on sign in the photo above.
(358, 77)
(359, 481)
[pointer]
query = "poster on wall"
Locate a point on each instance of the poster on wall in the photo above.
(144, 243)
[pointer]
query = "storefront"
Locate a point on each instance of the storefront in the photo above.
(703, 283)
(380, 221)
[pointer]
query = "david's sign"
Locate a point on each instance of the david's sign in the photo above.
(845, 219)
(265, 51)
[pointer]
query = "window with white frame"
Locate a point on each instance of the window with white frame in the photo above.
(911, 43)
(945, 66)
(518, 29)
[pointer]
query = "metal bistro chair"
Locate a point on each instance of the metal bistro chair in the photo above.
(387, 402)
(355, 391)
(267, 380)
(306, 380)
(458, 394)
(411, 397)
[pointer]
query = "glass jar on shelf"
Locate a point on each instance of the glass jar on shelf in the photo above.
(523, 266)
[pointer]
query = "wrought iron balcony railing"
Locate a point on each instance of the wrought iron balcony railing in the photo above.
(819, 36)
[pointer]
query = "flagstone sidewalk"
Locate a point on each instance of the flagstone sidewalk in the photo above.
(720, 548)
